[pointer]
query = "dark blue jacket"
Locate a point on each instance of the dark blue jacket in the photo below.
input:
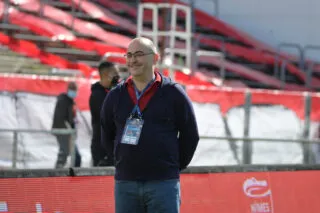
(98, 94)
(168, 139)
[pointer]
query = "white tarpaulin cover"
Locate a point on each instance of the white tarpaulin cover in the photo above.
(40, 150)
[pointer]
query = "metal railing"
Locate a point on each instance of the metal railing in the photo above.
(111, 54)
(15, 144)
(303, 65)
(246, 148)
(221, 54)
(263, 139)
(303, 137)
(283, 73)
(310, 66)
(282, 45)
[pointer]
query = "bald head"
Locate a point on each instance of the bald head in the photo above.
(146, 43)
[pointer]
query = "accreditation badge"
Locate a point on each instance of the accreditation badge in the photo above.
(132, 131)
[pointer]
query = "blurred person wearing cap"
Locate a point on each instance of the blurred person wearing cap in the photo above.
(65, 117)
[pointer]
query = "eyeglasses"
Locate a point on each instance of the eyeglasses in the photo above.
(136, 55)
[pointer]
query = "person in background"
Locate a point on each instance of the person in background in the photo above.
(65, 117)
(148, 124)
(109, 77)
(123, 73)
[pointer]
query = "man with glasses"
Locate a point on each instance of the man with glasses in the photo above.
(109, 78)
(148, 124)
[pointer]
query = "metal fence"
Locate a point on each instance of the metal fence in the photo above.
(246, 151)
(25, 110)
(16, 143)
(248, 141)
(247, 145)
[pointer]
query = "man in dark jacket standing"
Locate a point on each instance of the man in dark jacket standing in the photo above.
(109, 77)
(64, 117)
(148, 124)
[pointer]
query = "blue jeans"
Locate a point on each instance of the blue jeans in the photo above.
(147, 196)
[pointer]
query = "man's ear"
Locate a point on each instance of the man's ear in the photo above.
(156, 58)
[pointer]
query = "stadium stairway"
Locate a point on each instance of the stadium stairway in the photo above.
(13, 62)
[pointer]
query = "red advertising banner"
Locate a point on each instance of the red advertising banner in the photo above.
(249, 192)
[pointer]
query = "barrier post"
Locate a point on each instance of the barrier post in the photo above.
(73, 149)
(247, 145)
(73, 13)
(5, 18)
(283, 73)
(216, 8)
(41, 8)
(232, 143)
(307, 149)
(310, 67)
(14, 150)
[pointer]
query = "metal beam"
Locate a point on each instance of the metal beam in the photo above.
(31, 37)
(70, 51)
(5, 26)
(249, 139)
(271, 140)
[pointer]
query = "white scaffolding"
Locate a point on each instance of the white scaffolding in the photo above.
(191, 55)
(172, 33)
